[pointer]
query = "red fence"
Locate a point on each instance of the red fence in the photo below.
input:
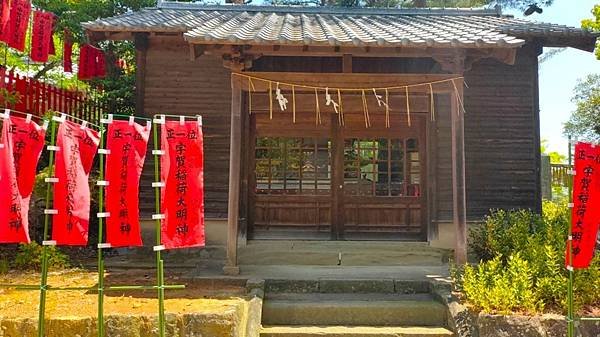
(37, 97)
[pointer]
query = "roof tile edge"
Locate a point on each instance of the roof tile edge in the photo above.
(330, 10)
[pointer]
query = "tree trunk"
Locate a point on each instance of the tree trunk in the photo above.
(420, 3)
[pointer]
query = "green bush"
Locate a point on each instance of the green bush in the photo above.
(522, 264)
(29, 257)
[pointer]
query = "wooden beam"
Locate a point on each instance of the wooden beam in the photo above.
(141, 52)
(459, 194)
(453, 62)
(347, 63)
(231, 267)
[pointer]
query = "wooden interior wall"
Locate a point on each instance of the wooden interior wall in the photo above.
(176, 85)
(502, 135)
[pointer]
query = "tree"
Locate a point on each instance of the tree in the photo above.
(584, 122)
(593, 25)
(555, 157)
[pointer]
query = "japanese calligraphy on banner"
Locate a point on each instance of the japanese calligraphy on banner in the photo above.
(17, 26)
(4, 19)
(127, 144)
(182, 170)
(41, 36)
(77, 148)
(585, 215)
(22, 142)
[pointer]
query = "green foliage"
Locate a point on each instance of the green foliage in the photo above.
(4, 265)
(30, 255)
(9, 98)
(501, 287)
(585, 120)
(593, 25)
(522, 264)
(555, 157)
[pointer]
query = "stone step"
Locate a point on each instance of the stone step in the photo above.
(353, 331)
(344, 253)
(336, 286)
(353, 309)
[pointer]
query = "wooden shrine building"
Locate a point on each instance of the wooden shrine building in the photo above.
(349, 123)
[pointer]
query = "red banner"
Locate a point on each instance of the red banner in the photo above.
(4, 19)
(91, 63)
(85, 65)
(182, 168)
(585, 215)
(67, 52)
(41, 36)
(22, 142)
(76, 150)
(127, 144)
(17, 26)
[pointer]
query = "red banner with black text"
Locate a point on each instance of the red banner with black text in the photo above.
(182, 171)
(77, 147)
(17, 25)
(127, 143)
(41, 36)
(585, 214)
(22, 142)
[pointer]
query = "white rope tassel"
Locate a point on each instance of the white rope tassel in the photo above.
(280, 99)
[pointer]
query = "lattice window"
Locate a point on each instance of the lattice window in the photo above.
(382, 167)
(293, 166)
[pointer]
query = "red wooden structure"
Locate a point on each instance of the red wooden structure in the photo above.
(37, 97)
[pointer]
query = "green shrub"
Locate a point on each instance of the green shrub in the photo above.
(29, 257)
(496, 287)
(522, 263)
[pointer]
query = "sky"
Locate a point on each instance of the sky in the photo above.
(559, 74)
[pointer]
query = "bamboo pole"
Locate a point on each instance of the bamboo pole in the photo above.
(159, 262)
(570, 310)
(100, 237)
(44, 278)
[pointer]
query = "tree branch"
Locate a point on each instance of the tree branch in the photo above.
(47, 67)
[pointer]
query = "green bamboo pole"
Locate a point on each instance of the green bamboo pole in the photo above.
(44, 278)
(106, 288)
(570, 310)
(100, 239)
(159, 262)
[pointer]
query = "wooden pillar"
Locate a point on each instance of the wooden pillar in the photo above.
(231, 267)
(141, 51)
(459, 194)
(337, 162)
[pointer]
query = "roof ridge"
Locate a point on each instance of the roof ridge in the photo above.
(331, 10)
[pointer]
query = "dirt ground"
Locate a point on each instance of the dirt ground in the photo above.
(197, 297)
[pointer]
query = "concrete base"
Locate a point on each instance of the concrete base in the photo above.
(353, 331)
(231, 270)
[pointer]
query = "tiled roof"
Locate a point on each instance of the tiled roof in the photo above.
(267, 25)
